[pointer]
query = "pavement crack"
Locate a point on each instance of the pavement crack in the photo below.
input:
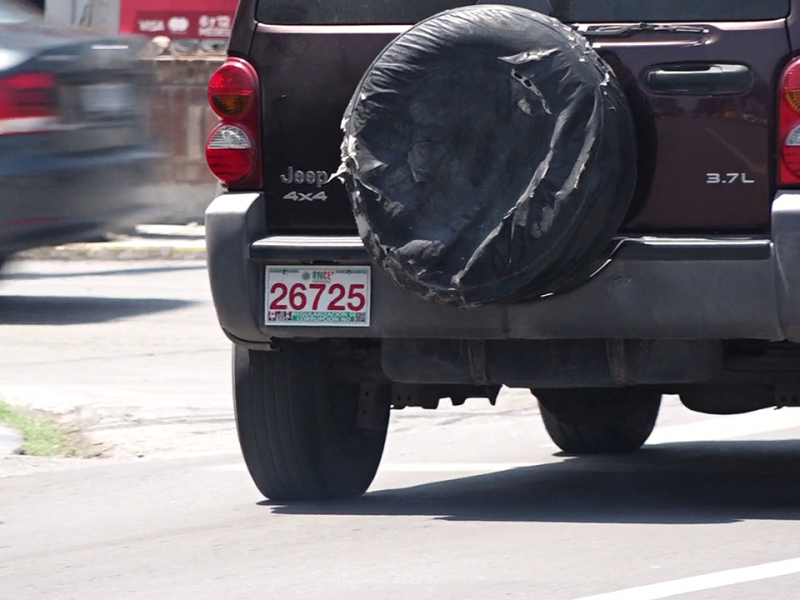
(118, 356)
(137, 422)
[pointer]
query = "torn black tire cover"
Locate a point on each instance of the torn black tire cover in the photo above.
(490, 156)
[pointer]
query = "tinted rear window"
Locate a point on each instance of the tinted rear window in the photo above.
(357, 12)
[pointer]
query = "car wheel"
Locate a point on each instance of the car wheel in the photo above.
(300, 433)
(599, 421)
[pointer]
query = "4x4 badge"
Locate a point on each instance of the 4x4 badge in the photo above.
(310, 197)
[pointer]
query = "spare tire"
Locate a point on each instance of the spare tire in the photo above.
(490, 156)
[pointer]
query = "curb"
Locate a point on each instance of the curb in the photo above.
(10, 441)
(122, 250)
(170, 232)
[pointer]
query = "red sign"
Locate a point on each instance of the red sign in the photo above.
(178, 19)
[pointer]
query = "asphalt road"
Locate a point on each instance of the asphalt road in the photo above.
(471, 502)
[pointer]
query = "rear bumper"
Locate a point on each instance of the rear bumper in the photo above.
(72, 198)
(653, 289)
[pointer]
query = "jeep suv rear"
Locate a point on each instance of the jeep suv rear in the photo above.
(431, 199)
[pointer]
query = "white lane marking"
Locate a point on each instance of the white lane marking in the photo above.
(427, 467)
(668, 589)
(455, 467)
(728, 428)
(713, 429)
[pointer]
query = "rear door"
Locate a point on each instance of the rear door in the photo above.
(700, 76)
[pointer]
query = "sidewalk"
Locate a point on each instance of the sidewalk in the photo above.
(150, 242)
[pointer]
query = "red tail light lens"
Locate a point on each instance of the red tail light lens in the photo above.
(233, 148)
(789, 126)
(28, 103)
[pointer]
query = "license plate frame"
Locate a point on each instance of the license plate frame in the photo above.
(107, 99)
(318, 296)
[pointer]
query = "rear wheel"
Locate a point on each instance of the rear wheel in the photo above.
(599, 421)
(301, 434)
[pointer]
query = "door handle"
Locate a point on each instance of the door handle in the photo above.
(696, 79)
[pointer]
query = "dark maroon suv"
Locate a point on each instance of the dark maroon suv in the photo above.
(429, 199)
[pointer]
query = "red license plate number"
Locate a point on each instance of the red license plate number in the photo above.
(318, 296)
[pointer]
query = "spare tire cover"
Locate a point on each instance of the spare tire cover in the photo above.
(490, 156)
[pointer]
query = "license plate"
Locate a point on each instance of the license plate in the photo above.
(318, 296)
(107, 98)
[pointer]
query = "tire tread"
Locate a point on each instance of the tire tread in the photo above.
(280, 400)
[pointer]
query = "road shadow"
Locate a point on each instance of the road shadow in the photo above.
(696, 483)
(11, 275)
(63, 310)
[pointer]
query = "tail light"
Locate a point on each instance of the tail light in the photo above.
(233, 148)
(28, 103)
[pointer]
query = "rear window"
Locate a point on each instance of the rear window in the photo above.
(390, 12)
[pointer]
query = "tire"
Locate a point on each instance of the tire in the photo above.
(490, 157)
(599, 421)
(728, 399)
(297, 431)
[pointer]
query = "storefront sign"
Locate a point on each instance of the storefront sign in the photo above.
(179, 19)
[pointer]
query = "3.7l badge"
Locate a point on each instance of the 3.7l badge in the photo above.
(726, 178)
